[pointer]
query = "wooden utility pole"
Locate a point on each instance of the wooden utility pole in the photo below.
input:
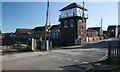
(101, 32)
(101, 23)
(46, 25)
(83, 15)
(47, 17)
(83, 23)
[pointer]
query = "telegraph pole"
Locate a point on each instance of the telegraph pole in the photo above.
(46, 25)
(83, 22)
(101, 27)
(101, 23)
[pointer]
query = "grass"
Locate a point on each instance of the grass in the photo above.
(107, 66)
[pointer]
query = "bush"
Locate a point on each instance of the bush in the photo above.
(24, 49)
(20, 48)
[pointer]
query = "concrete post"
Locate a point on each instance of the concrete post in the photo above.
(44, 44)
(87, 39)
(34, 44)
(116, 31)
(47, 45)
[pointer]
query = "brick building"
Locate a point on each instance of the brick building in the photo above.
(55, 35)
(0, 32)
(94, 34)
(113, 31)
(21, 36)
(105, 34)
(38, 33)
(118, 30)
(73, 24)
(23, 33)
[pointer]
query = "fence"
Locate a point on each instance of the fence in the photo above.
(114, 50)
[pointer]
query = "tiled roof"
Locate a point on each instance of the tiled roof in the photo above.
(23, 30)
(72, 5)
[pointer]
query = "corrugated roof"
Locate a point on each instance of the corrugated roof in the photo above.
(40, 28)
(55, 26)
(72, 5)
(112, 27)
(94, 28)
(91, 30)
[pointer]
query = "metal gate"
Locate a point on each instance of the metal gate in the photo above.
(114, 50)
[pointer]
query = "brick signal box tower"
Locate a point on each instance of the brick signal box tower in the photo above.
(73, 24)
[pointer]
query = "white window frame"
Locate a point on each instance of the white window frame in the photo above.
(71, 23)
(65, 24)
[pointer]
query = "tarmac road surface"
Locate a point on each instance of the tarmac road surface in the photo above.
(52, 60)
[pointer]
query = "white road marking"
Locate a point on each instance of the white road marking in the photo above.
(60, 69)
(90, 54)
(76, 61)
(68, 59)
(100, 59)
(54, 56)
(105, 57)
(62, 52)
(60, 58)
(85, 62)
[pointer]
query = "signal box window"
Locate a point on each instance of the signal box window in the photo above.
(71, 23)
(65, 24)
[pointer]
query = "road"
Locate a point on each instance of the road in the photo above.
(55, 59)
(64, 58)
